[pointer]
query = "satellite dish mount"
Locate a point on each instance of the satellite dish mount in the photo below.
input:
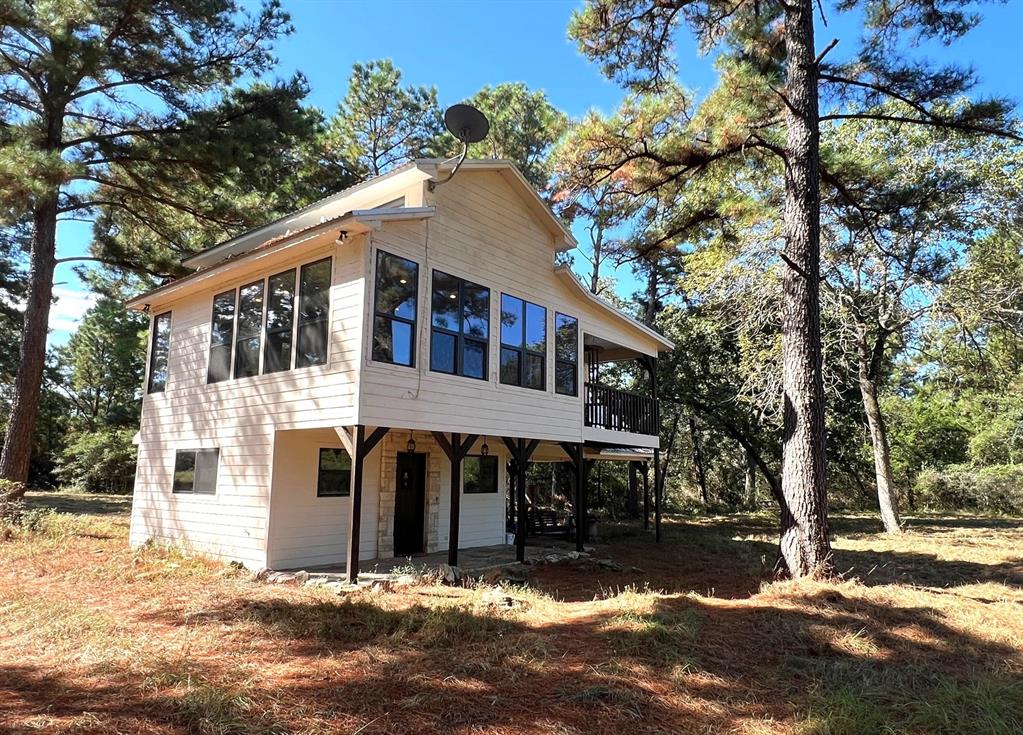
(468, 125)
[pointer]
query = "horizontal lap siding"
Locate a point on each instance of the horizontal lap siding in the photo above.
(240, 417)
(482, 231)
(306, 530)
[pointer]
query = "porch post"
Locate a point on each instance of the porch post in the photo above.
(580, 498)
(520, 490)
(587, 465)
(657, 494)
(456, 498)
(360, 446)
(646, 496)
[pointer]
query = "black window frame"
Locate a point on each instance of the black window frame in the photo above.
(562, 362)
(488, 459)
(460, 336)
(180, 454)
(391, 317)
(258, 333)
(150, 387)
(322, 322)
(346, 485)
(229, 343)
(522, 349)
(290, 331)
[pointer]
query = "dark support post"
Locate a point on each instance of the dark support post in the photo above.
(361, 445)
(355, 490)
(646, 496)
(521, 450)
(456, 499)
(633, 504)
(587, 465)
(456, 450)
(657, 494)
(523, 520)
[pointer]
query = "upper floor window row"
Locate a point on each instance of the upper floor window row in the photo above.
(258, 324)
(460, 329)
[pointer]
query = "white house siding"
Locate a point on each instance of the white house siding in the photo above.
(307, 531)
(241, 416)
(482, 231)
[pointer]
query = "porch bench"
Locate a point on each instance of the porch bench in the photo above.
(548, 522)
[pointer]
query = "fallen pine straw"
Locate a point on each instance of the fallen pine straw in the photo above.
(923, 635)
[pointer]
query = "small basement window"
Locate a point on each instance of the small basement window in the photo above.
(195, 471)
(334, 478)
(479, 475)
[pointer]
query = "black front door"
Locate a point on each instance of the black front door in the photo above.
(409, 504)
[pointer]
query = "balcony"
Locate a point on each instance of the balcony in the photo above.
(620, 410)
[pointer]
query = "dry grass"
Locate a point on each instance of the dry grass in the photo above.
(924, 635)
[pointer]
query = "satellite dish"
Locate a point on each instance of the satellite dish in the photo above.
(468, 125)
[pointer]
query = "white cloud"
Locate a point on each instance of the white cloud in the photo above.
(67, 311)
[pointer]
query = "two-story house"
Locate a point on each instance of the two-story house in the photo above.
(353, 380)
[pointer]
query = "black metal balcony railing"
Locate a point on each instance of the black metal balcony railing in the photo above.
(620, 410)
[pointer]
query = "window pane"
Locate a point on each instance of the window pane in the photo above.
(159, 355)
(277, 354)
(479, 475)
(475, 311)
(445, 301)
(184, 471)
(534, 371)
(536, 328)
(442, 352)
(280, 301)
(250, 310)
(220, 364)
(315, 291)
(222, 331)
(392, 341)
(246, 358)
(474, 360)
(511, 320)
(396, 286)
(312, 344)
(566, 337)
(510, 366)
(206, 471)
(335, 473)
(564, 378)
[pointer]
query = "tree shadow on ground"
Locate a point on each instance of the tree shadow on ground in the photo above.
(683, 665)
(728, 559)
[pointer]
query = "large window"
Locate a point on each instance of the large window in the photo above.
(249, 331)
(479, 474)
(523, 343)
(313, 314)
(280, 318)
(159, 353)
(221, 337)
(566, 355)
(334, 477)
(461, 327)
(195, 471)
(394, 321)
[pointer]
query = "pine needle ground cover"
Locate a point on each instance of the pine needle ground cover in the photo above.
(923, 635)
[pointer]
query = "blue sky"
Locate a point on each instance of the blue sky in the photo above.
(459, 46)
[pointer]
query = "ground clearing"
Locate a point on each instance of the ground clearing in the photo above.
(925, 635)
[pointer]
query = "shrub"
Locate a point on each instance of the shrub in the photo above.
(994, 489)
(99, 461)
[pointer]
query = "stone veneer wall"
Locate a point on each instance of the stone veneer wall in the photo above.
(395, 442)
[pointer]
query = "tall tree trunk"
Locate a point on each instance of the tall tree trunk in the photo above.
(887, 499)
(701, 469)
(750, 480)
(805, 545)
(598, 246)
(650, 308)
(17, 451)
